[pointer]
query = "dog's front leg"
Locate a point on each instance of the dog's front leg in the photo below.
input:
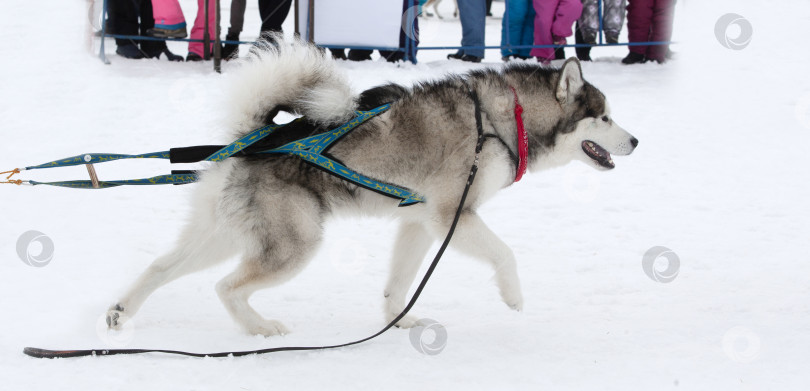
(475, 239)
(413, 242)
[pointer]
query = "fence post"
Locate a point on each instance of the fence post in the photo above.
(217, 44)
(297, 30)
(206, 36)
(311, 21)
(410, 24)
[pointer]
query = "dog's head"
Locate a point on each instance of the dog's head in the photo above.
(580, 128)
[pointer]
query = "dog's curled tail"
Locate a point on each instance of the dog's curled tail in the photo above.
(296, 76)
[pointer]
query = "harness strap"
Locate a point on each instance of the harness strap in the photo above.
(45, 353)
(92, 158)
(311, 149)
(171, 179)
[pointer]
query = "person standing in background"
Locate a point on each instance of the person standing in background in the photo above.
(122, 19)
(587, 28)
(231, 50)
(553, 22)
(473, 21)
(272, 12)
(649, 21)
(169, 20)
(196, 49)
(518, 29)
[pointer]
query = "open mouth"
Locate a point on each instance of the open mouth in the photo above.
(598, 154)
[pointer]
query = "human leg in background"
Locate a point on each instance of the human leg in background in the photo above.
(231, 50)
(543, 19)
(273, 13)
(152, 49)
(661, 29)
(196, 49)
(518, 22)
(639, 22)
(169, 20)
(122, 19)
(528, 32)
(587, 29)
(549, 31)
(613, 19)
(568, 11)
(473, 20)
(583, 53)
(588, 23)
(360, 54)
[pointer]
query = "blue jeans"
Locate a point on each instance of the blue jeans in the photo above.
(473, 15)
(518, 22)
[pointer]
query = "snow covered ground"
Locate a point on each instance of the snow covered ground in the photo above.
(720, 178)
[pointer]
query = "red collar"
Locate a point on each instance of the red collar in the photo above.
(523, 139)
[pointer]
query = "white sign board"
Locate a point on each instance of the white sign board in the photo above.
(371, 23)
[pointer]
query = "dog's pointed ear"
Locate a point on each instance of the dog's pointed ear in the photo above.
(571, 80)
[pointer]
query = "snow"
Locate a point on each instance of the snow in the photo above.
(719, 177)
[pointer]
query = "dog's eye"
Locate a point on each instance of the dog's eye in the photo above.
(605, 118)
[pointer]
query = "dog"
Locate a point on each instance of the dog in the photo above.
(435, 4)
(271, 210)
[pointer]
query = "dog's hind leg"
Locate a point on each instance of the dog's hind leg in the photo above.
(199, 247)
(412, 243)
(285, 242)
(474, 238)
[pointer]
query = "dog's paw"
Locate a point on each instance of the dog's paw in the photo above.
(268, 328)
(116, 317)
(513, 300)
(406, 322)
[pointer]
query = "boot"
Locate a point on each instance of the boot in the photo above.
(230, 50)
(559, 52)
(193, 57)
(583, 53)
(153, 49)
(634, 58)
(129, 51)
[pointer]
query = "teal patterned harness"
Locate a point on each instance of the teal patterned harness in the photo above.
(309, 149)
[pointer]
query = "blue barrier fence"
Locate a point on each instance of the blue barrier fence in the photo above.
(409, 49)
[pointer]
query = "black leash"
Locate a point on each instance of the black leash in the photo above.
(44, 353)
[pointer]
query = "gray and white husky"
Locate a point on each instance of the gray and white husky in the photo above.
(271, 210)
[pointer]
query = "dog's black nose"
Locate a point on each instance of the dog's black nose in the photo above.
(634, 141)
